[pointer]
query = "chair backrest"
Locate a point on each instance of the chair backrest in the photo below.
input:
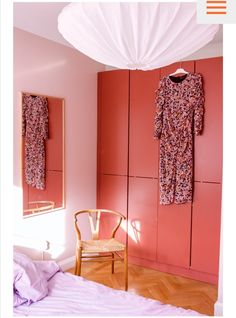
(94, 220)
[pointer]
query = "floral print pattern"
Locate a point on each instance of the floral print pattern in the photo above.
(179, 115)
(35, 131)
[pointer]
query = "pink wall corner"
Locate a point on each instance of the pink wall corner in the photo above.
(46, 67)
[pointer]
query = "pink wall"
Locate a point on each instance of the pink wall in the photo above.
(46, 67)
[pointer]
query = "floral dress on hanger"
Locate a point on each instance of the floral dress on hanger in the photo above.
(35, 131)
(179, 115)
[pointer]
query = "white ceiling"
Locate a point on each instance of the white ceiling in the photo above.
(40, 18)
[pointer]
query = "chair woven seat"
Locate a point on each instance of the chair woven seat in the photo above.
(93, 246)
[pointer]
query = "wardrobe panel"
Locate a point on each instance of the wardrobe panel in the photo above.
(206, 227)
(180, 238)
(187, 65)
(112, 195)
(55, 187)
(173, 240)
(54, 143)
(113, 102)
(25, 188)
(36, 194)
(52, 192)
(143, 156)
(208, 146)
(142, 227)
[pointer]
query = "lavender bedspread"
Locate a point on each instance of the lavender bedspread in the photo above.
(69, 295)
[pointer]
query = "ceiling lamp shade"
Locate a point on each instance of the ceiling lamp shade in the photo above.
(133, 35)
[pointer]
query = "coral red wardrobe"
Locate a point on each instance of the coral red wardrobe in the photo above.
(177, 238)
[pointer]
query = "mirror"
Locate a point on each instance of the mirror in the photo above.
(42, 153)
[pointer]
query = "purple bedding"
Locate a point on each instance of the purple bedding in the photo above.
(41, 289)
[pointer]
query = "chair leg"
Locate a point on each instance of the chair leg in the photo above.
(78, 262)
(112, 264)
(75, 271)
(126, 268)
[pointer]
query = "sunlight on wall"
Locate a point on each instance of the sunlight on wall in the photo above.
(17, 204)
(46, 232)
(40, 69)
(40, 245)
(134, 230)
(42, 235)
(55, 250)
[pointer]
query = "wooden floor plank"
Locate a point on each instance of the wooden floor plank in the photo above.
(167, 288)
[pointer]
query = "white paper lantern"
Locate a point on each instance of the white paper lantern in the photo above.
(135, 35)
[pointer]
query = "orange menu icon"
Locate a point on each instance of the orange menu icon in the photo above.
(216, 7)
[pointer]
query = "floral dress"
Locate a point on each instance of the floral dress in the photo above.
(179, 115)
(35, 131)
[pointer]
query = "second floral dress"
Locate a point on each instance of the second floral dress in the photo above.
(35, 131)
(179, 115)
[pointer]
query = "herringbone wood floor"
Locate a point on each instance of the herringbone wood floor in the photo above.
(167, 288)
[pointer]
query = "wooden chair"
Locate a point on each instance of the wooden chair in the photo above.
(100, 249)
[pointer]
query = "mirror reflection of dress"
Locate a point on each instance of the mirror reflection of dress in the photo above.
(35, 131)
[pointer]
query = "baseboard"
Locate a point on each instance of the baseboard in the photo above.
(67, 263)
(175, 270)
(218, 309)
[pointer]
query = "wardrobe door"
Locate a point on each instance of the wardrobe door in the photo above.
(35, 194)
(143, 155)
(173, 241)
(206, 227)
(54, 143)
(25, 191)
(208, 146)
(55, 187)
(112, 195)
(142, 224)
(113, 101)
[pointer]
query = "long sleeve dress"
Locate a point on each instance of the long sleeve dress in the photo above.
(179, 115)
(35, 131)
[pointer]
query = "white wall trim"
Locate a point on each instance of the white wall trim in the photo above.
(218, 309)
(67, 263)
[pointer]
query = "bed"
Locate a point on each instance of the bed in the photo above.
(41, 288)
